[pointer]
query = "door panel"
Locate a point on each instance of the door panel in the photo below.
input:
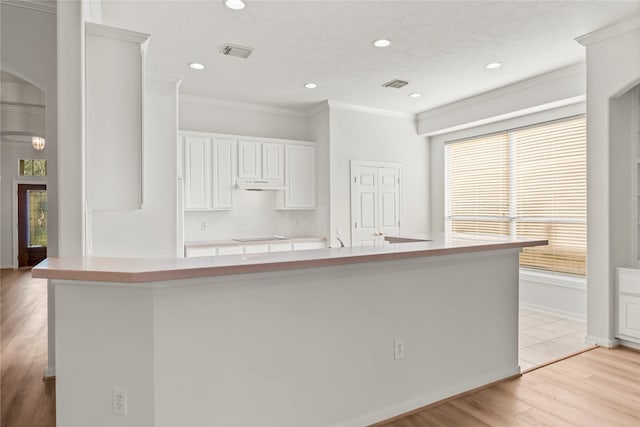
(375, 204)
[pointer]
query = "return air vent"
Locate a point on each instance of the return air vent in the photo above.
(237, 51)
(396, 84)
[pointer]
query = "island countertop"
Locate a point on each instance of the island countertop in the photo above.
(137, 270)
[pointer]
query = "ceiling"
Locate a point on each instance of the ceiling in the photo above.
(441, 48)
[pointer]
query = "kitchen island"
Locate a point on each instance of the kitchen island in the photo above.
(344, 336)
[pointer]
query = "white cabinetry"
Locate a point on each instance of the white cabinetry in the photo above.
(299, 177)
(261, 161)
(213, 250)
(209, 173)
(628, 281)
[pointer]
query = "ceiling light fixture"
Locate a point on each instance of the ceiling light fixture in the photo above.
(310, 85)
(235, 4)
(415, 95)
(197, 66)
(493, 65)
(38, 143)
(382, 43)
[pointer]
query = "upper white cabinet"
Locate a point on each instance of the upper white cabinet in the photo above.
(197, 172)
(261, 161)
(209, 172)
(300, 177)
(249, 159)
(114, 84)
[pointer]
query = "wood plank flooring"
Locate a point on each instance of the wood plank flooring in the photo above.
(599, 387)
(25, 399)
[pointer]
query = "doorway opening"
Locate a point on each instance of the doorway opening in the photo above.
(32, 224)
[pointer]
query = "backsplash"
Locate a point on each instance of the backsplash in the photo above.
(255, 215)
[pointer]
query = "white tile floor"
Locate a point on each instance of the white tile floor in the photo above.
(545, 337)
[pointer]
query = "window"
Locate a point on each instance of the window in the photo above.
(33, 167)
(528, 182)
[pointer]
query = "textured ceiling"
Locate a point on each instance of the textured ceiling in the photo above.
(439, 47)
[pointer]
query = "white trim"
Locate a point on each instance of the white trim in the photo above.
(32, 5)
(50, 372)
(184, 132)
(602, 342)
(215, 102)
(549, 310)
(377, 111)
(165, 78)
(512, 115)
(324, 105)
(91, 28)
(556, 279)
(18, 107)
(627, 343)
(511, 89)
(410, 405)
(609, 32)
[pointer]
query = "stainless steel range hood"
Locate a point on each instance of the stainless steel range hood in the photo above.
(259, 184)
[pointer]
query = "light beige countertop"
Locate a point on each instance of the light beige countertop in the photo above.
(217, 243)
(136, 270)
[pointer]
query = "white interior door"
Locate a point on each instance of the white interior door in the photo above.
(375, 202)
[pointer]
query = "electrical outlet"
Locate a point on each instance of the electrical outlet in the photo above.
(398, 348)
(203, 226)
(119, 401)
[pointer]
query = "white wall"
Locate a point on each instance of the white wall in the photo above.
(150, 231)
(31, 55)
(255, 213)
(357, 135)
(613, 67)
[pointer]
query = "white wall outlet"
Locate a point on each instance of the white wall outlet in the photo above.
(203, 226)
(119, 401)
(398, 348)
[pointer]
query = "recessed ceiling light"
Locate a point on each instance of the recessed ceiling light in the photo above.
(493, 65)
(382, 43)
(196, 66)
(310, 85)
(234, 4)
(415, 95)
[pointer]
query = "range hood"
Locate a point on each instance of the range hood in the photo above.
(259, 184)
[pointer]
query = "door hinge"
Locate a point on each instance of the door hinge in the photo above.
(355, 180)
(356, 225)
(398, 180)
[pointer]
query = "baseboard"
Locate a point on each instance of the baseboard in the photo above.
(49, 373)
(602, 342)
(630, 344)
(550, 310)
(401, 409)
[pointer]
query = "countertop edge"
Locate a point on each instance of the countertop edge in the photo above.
(160, 274)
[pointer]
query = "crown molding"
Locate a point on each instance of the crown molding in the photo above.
(165, 78)
(513, 88)
(608, 32)
(115, 33)
(32, 5)
(376, 111)
(324, 105)
(216, 102)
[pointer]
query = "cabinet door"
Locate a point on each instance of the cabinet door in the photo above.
(197, 172)
(273, 162)
(300, 177)
(224, 173)
(629, 315)
(249, 159)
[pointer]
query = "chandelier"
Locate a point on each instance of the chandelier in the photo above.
(38, 143)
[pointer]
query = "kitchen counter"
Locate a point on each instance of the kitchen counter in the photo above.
(282, 339)
(134, 270)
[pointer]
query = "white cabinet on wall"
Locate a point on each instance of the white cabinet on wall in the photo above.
(261, 161)
(300, 177)
(209, 173)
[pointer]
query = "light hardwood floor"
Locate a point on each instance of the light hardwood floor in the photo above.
(598, 388)
(25, 400)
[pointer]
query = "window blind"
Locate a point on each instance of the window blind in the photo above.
(528, 182)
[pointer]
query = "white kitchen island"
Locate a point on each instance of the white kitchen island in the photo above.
(283, 339)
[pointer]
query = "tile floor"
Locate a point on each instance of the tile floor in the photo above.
(545, 337)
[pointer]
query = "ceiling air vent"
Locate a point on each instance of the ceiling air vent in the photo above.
(237, 51)
(396, 84)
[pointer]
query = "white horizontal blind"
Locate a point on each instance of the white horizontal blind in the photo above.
(528, 182)
(551, 194)
(478, 183)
